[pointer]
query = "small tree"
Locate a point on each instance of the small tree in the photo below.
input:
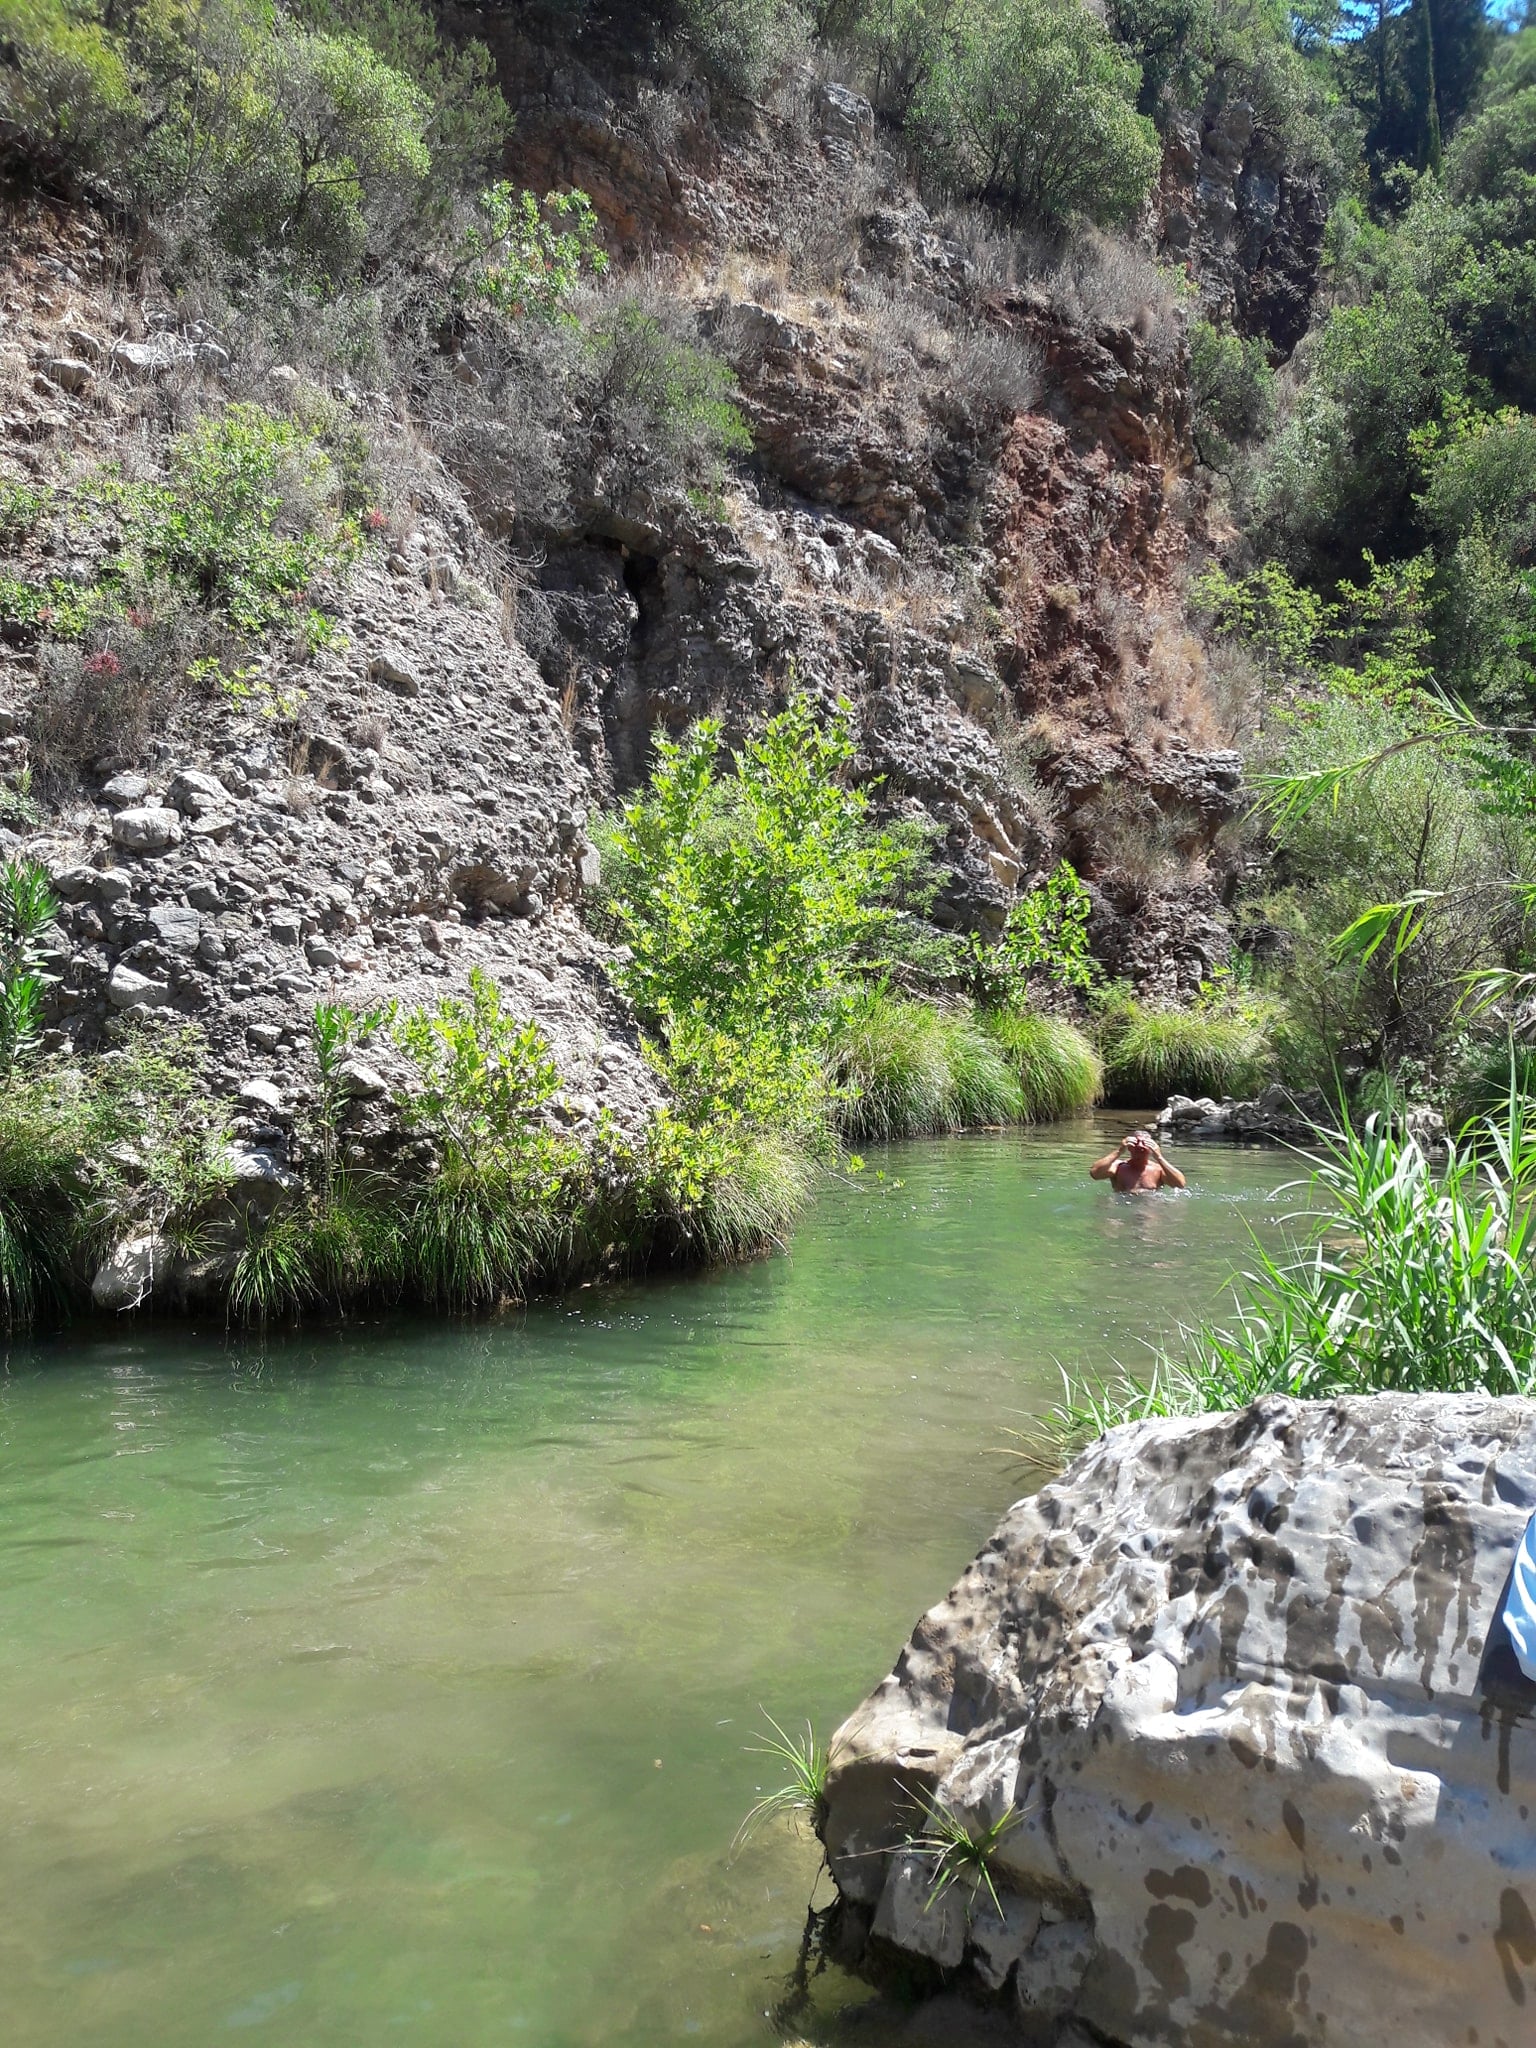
(1030, 106)
(332, 137)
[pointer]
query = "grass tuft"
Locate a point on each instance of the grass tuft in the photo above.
(963, 1853)
(755, 1204)
(911, 1070)
(803, 1798)
(1150, 1054)
(1058, 1072)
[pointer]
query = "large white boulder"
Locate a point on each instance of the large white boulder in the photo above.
(1239, 1691)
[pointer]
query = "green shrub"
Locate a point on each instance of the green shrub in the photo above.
(1233, 388)
(1219, 1045)
(1045, 937)
(45, 1194)
(527, 255)
(1423, 827)
(27, 908)
(1419, 1281)
(1029, 106)
(22, 506)
(1058, 1071)
(467, 121)
(661, 406)
(245, 522)
(67, 100)
(742, 44)
(744, 897)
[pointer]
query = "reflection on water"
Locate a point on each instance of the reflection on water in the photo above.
(398, 1684)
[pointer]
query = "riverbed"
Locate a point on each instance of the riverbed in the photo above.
(397, 1683)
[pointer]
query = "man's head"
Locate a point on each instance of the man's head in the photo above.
(1139, 1144)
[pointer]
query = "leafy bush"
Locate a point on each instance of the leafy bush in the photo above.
(467, 121)
(45, 1194)
(1045, 938)
(526, 255)
(1029, 106)
(1419, 1281)
(744, 897)
(67, 101)
(317, 137)
(22, 506)
(1233, 389)
(1423, 830)
(742, 44)
(661, 407)
(1057, 1069)
(1219, 1045)
(245, 521)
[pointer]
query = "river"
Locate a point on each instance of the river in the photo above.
(397, 1684)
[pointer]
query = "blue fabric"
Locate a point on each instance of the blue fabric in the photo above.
(1520, 1607)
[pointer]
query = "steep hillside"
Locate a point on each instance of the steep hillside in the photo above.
(809, 437)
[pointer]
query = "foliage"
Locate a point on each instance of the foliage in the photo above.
(484, 1080)
(67, 99)
(467, 122)
(1045, 938)
(44, 1193)
(743, 897)
(1219, 1045)
(22, 507)
(1030, 106)
(331, 138)
(314, 138)
(1058, 1070)
(804, 1797)
(166, 1142)
(244, 521)
(1418, 831)
(661, 407)
(27, 908)
(741, 44)
(1234, 392)
(1418, 1281)
(526, 255)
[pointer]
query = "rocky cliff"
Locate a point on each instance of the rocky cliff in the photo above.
(968, 509)
(1235, 1702)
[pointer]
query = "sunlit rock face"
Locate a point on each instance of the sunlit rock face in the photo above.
(1244, 1684)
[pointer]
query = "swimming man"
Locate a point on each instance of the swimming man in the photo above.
(1136, 1167)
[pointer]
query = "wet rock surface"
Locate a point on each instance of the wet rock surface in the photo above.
(1241, 1684)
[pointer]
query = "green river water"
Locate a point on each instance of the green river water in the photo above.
(395, 1685)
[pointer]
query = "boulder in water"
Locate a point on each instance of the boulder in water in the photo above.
(1234, 1697)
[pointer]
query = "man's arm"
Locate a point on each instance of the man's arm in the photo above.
(1101, 1167)
(1171, 1175)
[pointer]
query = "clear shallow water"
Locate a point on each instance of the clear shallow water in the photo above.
(394, 1685)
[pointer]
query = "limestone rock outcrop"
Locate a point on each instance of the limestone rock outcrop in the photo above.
(1236, 1695)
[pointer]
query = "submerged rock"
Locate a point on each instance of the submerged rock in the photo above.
(1235, 1695)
